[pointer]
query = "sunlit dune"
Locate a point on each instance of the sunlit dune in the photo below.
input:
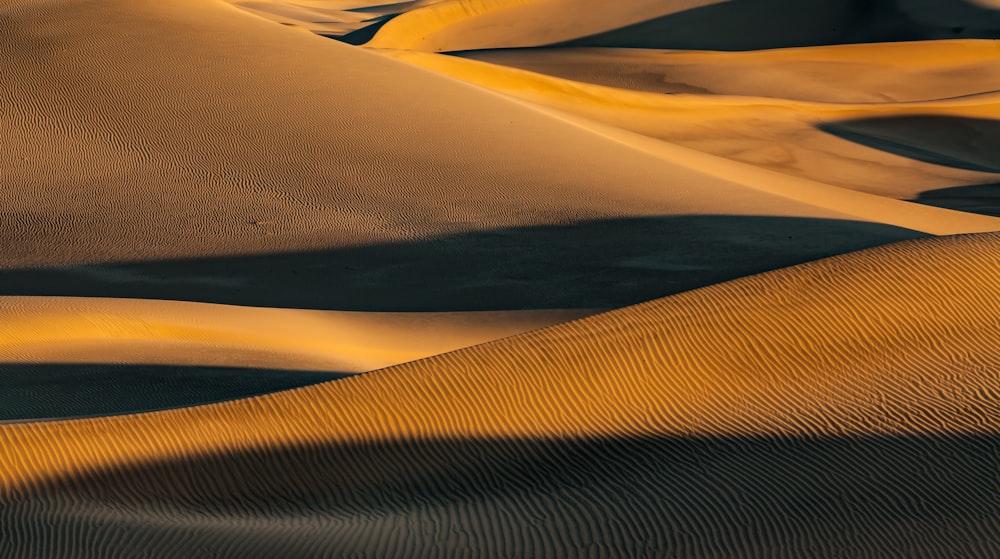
(81, 330)
(857, 73)
(894, 344)
(456, 25)
(499, 278)
(69, 357)
(806, 139)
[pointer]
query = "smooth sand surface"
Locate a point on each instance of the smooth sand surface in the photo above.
(94, 330)
(736, 25)
(892, 149)
(228, 163)
(860, 73)
(267, 294)
(65, 357)
(866, 381)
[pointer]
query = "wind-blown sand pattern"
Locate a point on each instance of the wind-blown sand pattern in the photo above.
(709, 414)
(499, 278)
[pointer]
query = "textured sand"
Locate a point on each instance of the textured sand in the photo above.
(693, 425)
(267, 294)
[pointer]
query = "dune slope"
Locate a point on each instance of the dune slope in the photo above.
(775, 415)
(892, 150)
(220, 150)
(865, 73)
(457, 25)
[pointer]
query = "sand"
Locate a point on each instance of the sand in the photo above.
(499, 278)
(866, 381)
(888, 148)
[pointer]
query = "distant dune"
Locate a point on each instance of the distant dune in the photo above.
(455, 25)
(499, 278)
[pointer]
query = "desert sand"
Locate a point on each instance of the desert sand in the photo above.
(499, 278)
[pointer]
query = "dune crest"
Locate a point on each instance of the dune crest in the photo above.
(644, 369)
(95, 330)
(732, 25)
(808, 140)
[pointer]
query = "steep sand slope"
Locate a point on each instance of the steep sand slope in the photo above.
(843, 406)
(889, 149)
(456, 25)
(219, 157)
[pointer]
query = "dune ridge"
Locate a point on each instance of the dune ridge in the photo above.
(258, 180)
(892, 343)
(96, 330)
(738, 25)
(854, 73)
(800, 138)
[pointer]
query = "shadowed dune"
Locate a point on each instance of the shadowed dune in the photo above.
(845, 406)
(981, 198)
(596, 264)
(684, 24)
(63, 390)
(965, 143)
(738, 25)
(898, 496)
(857, 73)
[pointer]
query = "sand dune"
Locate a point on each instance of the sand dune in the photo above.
(268, 294)
(458, 25)
(627, 427)
(323, 175)
(860, 73)
(881, 148)
(80, 330)
(63, 357)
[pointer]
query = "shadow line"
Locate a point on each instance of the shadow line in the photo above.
(593, 264)
(979, 199)
(741, 496)
(971, 144)
(65, 390)
(743, 25)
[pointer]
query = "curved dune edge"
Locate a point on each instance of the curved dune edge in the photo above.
(687, 122)
(853, 73)
(900, 339)
(456, 25)
(100, 330)
(99, 142)
(485, 24)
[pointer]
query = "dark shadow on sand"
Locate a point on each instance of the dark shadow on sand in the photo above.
(596, 264)
(978, 199)
(643, 497)
(364, 34)
(741, 25)
(59, 390)
(972, 144)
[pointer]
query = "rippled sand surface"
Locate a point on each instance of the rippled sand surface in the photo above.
(499, 278)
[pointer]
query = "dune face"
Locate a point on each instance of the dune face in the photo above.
(499, 278)
(736, 25)
(711, 414)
